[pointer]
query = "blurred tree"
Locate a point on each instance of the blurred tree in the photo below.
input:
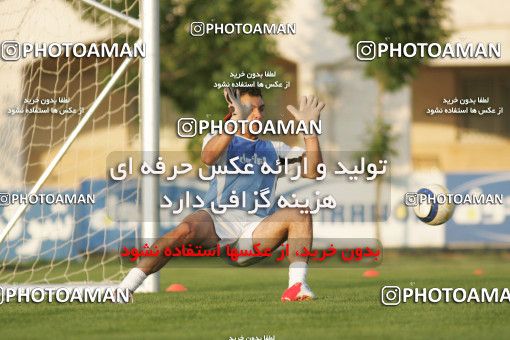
(191, 65)
(379, 144)
(391, 21)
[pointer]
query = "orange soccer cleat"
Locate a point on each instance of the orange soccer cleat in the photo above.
(298, 292)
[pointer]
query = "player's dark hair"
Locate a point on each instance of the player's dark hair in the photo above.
(252, 91)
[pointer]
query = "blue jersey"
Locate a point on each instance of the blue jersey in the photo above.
(256, 152)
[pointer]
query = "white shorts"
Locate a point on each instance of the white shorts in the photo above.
(235, 227)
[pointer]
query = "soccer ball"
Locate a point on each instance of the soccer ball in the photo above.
(434, 205)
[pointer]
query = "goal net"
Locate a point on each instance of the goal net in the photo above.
(61, 117)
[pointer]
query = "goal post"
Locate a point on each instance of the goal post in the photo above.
(150, 128)
(55, 152)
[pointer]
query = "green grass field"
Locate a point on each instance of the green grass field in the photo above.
(235, 302)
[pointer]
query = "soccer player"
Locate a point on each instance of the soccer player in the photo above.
(270, 226)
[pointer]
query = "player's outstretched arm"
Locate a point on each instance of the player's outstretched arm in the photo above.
(313, 155)
(309, 110)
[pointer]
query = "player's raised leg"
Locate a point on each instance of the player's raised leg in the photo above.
(196, 228)
(297, 229)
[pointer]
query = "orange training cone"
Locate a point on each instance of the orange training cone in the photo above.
(478, 272)
(176, 287)
(371, 273)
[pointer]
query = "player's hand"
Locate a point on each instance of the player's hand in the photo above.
(309, 109)
(238, 110)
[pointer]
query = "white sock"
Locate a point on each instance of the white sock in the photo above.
(133, 279)
(297, 272)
